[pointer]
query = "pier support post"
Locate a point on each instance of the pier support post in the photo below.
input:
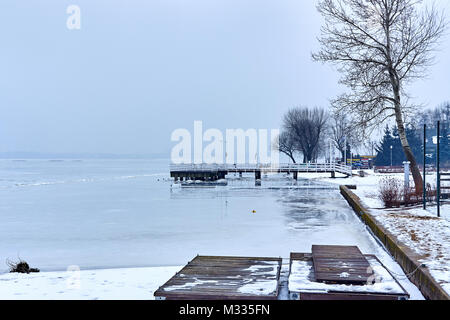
(295, 173)
(333, 174)
(258, 175)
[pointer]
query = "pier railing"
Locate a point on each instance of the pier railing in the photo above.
(269, 168)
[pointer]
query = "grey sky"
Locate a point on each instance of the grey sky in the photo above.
(137, 70)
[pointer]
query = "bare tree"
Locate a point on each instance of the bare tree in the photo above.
(379, 46)
(343, 133)
(286, 144)
(431, 116)
(306, 127)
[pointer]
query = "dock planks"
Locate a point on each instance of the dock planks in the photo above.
(224, 278)
(340, 264)
(304, 286)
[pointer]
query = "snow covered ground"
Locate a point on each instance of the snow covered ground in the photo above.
(106, 284)
(418, 229)
(123, 284)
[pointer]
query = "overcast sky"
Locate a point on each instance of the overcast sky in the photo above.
(137, 70)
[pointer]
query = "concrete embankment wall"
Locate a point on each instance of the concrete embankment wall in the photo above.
(405, 257)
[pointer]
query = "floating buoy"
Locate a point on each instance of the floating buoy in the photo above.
(254, 211)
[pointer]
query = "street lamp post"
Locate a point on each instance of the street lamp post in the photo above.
(392, 147)
(345, 153)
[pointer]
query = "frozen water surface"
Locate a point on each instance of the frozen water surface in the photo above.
(124, 213)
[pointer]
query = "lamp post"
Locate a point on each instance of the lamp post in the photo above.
(345, 153)
(424, 167)
(351, 158)
(392, 147)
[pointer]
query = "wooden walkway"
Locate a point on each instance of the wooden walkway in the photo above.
(224, 278)
(218, 172)
(340, 264)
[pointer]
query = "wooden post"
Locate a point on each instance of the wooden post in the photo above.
(295, 175)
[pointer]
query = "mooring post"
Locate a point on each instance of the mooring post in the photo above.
(406, 168)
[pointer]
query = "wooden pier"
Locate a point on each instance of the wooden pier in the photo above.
(328, 273)
(308, 281)
(210, 172)
(224, 278)
(331, 262)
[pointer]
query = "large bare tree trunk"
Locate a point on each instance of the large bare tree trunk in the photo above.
(395, 82)
(418, 182)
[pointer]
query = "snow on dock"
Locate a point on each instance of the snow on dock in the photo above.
(303, 284)
(220, 278)
(340, 264)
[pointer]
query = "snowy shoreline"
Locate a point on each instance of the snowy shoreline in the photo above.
(104, 284)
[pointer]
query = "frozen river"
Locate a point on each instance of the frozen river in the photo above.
(124, 213)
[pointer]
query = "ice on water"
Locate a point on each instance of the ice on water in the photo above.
(126, 213)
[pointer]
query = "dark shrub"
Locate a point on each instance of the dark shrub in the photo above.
(20, 267)
(390, 192)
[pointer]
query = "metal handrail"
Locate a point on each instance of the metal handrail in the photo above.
(308, 167)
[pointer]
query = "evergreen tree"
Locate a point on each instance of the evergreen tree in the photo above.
(383, 149)
(391, 138)
(398, 157)
(415, 142)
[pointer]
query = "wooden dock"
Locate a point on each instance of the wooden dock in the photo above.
(328, 273)
(303, 284)
(340, 264)
(224, 278)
